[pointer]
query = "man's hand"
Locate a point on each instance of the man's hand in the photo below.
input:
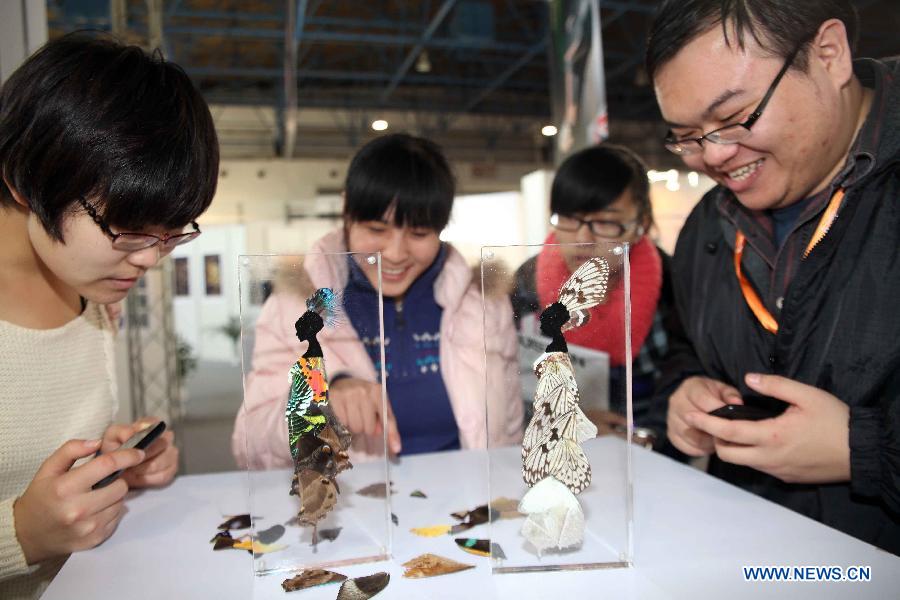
(357, 404)
(696, 394)
(809, 443)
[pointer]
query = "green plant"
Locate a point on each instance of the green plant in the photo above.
(184, 358)
(232, 330)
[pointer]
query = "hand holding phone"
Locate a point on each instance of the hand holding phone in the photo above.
(140, 440)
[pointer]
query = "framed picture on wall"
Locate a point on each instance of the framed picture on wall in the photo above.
(212, 272)
(182, 281)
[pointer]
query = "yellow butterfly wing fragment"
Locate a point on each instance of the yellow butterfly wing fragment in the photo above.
(433, 531)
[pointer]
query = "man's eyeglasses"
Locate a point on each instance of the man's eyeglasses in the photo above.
(132, 242)
(730, 134)
(599, 228)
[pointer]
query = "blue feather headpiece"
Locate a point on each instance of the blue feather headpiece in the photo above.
(326, 303)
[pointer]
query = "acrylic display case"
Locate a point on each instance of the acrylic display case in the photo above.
(274, 290)
(603, 380)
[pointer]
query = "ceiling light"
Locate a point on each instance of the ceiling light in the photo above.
(423, 64)
(379, 125)
(548, 130)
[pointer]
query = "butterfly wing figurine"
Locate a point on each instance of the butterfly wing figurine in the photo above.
(554, 465)
(319, 442)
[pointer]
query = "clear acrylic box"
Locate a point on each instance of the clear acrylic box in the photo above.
(607, 501)
(273, 290)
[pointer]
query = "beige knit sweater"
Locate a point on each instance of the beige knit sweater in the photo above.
(55, 385)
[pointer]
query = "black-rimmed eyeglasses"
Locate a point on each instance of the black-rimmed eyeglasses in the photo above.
(132, 242)
(730, 134)
(598, 227)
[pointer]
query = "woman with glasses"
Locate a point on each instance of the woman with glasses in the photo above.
(108, 155)
(397, 199)
(601, 194)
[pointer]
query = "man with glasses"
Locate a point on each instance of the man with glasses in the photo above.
(787, 273)
(108, 156)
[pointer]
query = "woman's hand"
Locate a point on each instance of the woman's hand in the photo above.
(161, 460)
(59, 513)
(357, 404)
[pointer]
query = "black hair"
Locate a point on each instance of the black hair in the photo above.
(409, 174)
(88, 117)
(781, 26)
(593, 178)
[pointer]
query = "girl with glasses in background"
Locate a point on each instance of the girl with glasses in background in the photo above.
(601, 194)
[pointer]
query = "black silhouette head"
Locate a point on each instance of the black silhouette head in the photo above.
(307, 326)
(552, 319)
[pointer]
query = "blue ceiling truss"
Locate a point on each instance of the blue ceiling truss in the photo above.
(486, 57)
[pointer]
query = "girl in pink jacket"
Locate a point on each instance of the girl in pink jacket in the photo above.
(397, 199)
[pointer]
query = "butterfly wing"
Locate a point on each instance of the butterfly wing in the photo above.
(547, 410)
(537, 428)
(584, 428)
(554, 371)
(318, 496)
(585, 289)
(299, 400)
(567, 462)
(538, 459)
(558, 454)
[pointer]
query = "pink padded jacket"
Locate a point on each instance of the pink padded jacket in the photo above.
(461, 354)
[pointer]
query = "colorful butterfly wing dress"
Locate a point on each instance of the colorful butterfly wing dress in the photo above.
(553, 463)
(319, 442)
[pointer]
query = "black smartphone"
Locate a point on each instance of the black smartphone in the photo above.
(743, 412)
(140, 440)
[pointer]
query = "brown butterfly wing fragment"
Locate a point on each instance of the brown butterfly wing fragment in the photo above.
(363, 588)
(432, 565)
(343, 434)
(311, 578)
(375, 490)
(318, 496)
(338, 449)
(236, 522)
(223, 540)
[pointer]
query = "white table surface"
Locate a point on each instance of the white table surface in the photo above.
(693, 533)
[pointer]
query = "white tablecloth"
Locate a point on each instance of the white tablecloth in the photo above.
(693, 534)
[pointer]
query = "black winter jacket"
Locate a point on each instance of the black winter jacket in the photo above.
(839, 322)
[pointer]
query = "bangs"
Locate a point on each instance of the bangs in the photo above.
(90, 118)
(405, 176)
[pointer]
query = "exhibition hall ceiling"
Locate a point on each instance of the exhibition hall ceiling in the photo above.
(473, 74)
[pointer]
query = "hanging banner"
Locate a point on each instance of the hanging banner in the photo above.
(578, 83)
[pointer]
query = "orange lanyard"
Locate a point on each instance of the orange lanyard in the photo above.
(753, 300)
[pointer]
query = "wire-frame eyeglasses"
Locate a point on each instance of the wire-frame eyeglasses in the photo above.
(132, 242)
(730, 134)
